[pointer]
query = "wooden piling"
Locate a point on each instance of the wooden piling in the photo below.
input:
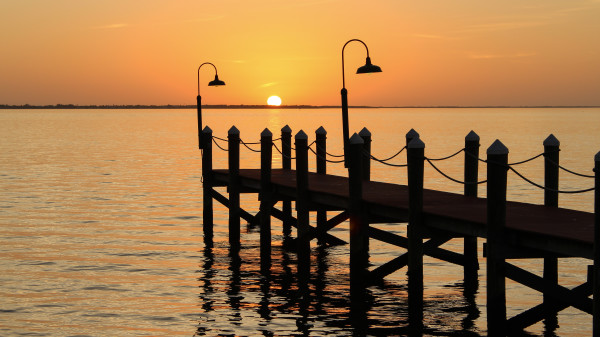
(321, 159)
(207, 186)
(321, 150)
(359, 236)
(365, 134)
(416, 159)
(302, 202)
(471, 176)
(233, 137)
(551, 161)
(286, 163)
(497, 167)
(596, 278)
(266, 154)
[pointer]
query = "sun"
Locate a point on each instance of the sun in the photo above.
(274, 100)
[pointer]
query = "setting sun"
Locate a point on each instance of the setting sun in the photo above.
(274, 100)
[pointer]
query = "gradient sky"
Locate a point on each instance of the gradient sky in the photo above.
(432, 52)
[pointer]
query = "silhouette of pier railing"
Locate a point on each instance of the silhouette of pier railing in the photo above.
(512, 230)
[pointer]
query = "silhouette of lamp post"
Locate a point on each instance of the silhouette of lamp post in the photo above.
(367, 68)
(213, 83)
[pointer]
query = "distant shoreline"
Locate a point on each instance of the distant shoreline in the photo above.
(243, 106)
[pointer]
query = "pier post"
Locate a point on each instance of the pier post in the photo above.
(471, 175)
(365, 134)
(266, 153)
(596, 278)
(286, 164)
(233, 137)
(207, 186)
(551, 161)
(302, 203)
(321, 159)
(359, 235)
(416, 159)
(497, 167)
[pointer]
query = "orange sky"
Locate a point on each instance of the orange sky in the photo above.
(460, 52)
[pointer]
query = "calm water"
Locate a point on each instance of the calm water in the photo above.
(100, 224)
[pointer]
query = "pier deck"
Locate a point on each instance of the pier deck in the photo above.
(427, 219)
(547, 229)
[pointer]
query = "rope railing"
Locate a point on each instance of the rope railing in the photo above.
(389, 158)
(329, 154)
(537, 156)
(429, 160)
(453, 179)
(527, 160)
(325, 158)
(366, 154)
(548, 189)
(448, 157)
(278, 150)
(569, 171)
(509, 167)
(249, 143)
(248, 147)
(217, 144)
(221, 139)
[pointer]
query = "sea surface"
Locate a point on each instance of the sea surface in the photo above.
(101, 224)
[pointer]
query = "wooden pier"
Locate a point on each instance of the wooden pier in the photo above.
(510, 230)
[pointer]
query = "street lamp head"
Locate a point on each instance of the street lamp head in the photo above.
(368, 68)
(218, 82)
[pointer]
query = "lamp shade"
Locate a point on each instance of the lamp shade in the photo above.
(217, 81)
(368, 68)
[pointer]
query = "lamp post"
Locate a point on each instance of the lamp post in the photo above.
(215, 82)
(367, 68)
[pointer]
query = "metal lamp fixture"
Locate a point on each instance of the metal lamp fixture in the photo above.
(367, 68)
(213, 83)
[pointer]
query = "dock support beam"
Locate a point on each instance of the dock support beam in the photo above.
(266, 197)
(416, 159)
(286, 164)
(551, 161)
(359, 235)
(302, 204)
(321, 159)
(596, 280)
(207, 186)
(233, 138)
(497, 169)
(471, 175)
(365, 134)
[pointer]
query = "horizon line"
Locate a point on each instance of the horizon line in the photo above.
(265, 106)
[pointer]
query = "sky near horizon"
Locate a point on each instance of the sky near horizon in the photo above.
(432, 52)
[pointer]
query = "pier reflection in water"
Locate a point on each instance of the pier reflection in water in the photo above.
(237, 299)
